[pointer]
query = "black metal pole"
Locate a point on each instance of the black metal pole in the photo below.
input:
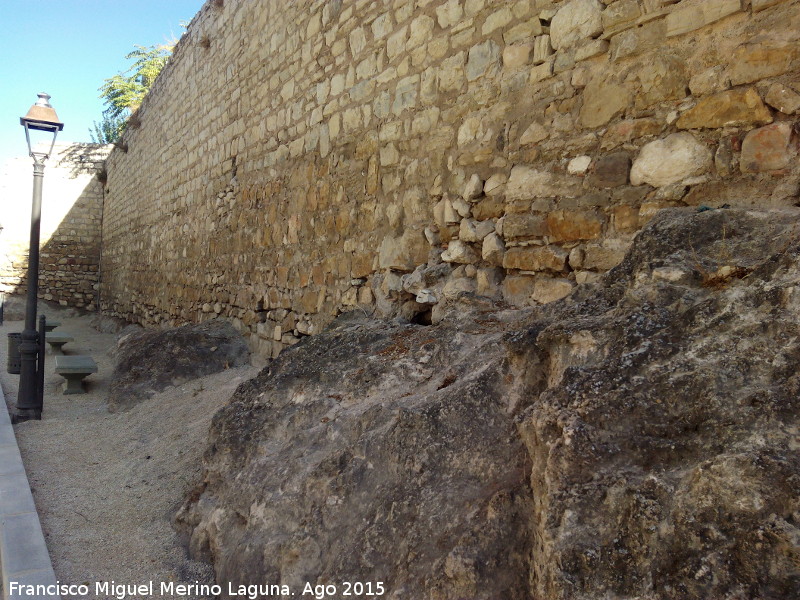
(28, 405)
(40, 366)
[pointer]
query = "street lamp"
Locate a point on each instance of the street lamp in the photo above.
(40, 118)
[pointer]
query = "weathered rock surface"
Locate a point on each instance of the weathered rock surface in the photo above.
(149, 361)
(106, 324)
(635, 440)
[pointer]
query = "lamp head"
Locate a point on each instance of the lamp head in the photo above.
(41, 117)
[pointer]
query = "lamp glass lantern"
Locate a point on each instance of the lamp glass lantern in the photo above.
(41, 117)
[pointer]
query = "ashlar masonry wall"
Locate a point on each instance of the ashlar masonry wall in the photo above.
(298, 159)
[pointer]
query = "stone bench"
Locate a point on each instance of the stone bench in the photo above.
(50, 325)
(57, 341)
(74, 369)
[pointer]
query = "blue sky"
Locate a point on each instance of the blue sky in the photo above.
(67, 48)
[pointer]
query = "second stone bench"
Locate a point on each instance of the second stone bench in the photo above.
(57, 341)
(74, 369)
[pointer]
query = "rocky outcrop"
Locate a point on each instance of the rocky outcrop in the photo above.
(149, 361)
(637, 439)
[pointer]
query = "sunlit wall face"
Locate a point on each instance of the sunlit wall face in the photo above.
(70, 226)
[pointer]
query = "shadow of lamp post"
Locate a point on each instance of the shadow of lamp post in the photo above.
(42, 121)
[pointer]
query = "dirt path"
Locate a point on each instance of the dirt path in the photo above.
(106, 485)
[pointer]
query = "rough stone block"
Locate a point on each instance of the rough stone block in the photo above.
(646, 36)
(591, 49)
(449, 13)
(493, 250)
(724, 158)
(393, 255)
(396, 43)
(731, 108)
(572, 226)
(759, 5)
(488, 282)
(713, 79)
(517, 55)
(602, 101)
(684, 20)
(518, 289)
(451, 73)
(488, 208)
(535, 258)
(474, 231)
(482, 60)
(542, 49)
(496, 20)
(611, 170)
(661, 78)
(673, 159)
(535, 133)
(382, 26)
(564, 61)
(783, 98)
(579, 165)
(358, 41)
(619, 13)
(626, 218)
(517, 226)
(766, 148)
(574, 21)
(420, 31)
(542, 71)
(459, 252)
(627, 130)
(602, 258)
(526, 182)
(523, 31)
(761, 60)
(548, 289)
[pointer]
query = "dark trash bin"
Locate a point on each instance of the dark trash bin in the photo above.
(14, 359)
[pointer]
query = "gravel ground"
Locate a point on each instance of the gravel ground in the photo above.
(107, 485)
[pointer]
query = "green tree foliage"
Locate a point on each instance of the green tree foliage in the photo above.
(124, 92)
(108, 130)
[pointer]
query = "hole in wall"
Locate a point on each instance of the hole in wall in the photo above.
(261, 312)
(423, 318)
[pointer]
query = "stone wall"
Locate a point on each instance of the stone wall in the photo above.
(71, 225)
(299, 159)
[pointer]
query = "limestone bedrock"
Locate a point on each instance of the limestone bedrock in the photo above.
(583, 449)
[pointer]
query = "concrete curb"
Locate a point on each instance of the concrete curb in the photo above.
(23, 553)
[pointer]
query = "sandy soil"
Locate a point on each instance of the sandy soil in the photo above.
(107, 485)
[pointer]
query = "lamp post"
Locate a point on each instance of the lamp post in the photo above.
(40, 118)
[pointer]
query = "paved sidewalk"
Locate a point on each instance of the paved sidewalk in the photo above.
(23, 552)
